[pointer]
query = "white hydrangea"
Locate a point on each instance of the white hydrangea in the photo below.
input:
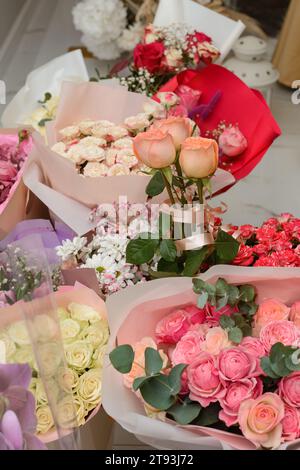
(102, 22)
(131, 37)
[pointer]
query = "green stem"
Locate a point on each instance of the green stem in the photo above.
(182, 185)
(200, 191)
(169, 189)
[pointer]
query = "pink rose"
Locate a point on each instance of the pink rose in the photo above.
(282, 331)
(167, 98)
(236, 393)
(269, 311)
(290, 424)
(196, 315)
(205, 383)
(237, 364)
(213, 315)
(189, 97)
(253, 346)
(295, 314)
(188, 348)
(216, 340)
(247, 231)
(244, 257)
(7, 171)
(172, 327)
(289, 389)
(260, 420)
(232, 142)
(155, 148)
(179, 128)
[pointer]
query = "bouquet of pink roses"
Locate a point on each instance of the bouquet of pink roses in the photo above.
(221, 361)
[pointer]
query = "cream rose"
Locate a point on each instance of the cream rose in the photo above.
(71, 412)
(89, 387)
(50, 358)
(70, 329)
(79, 354)
(138, 122)
(67, 379)
(40, 392)
(83, 313)
(19, 334)
(45, 328)
(44, 419)
(2, 352)
(25, 356)
(97, 334)
(62, 313)
(10, 347)
(98, 357)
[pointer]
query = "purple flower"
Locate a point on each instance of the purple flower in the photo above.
(17, 409)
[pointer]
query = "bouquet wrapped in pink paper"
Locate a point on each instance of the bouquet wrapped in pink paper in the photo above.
(216, 364)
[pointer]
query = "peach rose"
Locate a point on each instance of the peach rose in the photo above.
(155, 148)
(237, 364)
(199, 157)
(283, 331)
(268, 311)
(289, 389)
(179, 128)
(236, 393)
(232, 142)
(138, 367)
(188, 348)
(216, 340)
(205, 384)
(261, 420)
(172, 327)
(290, 424)
(295, 314)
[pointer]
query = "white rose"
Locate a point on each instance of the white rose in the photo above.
(45, 328)
(62, 313)
(95, 170)
(2, 352)
(19, 334)
(10, 347)
(69, 329)
(127, 158)
(118, 170)
(125, 143)
(89, 388)
(25, 356)
(67, 379)
(79, 354)
(70, 133)
(50, 358)
(40, 392)
(83, 312)
(155, 110)
(138, 122)
(60, 148)
(86, 127)
(168, 98)
(174, 57)
(93, 141)
(44, 419)
(98, 357)
(111, 155)
(96, 334)
(71, 412)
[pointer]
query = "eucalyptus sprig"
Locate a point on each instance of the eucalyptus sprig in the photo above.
(282, 361)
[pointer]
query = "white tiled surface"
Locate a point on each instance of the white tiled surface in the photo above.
(272, 188)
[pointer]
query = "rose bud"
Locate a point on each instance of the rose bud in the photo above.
(155, 148)
(199, 157)
(178, 127)
(168, 98)
(7, 171)
(232, 142)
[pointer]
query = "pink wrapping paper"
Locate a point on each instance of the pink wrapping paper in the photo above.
(147, 304)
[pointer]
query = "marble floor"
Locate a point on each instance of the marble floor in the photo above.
(46, 31)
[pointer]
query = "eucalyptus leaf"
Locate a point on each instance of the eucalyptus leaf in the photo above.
(139, 382)
(233, 295)
(222, 287)
(184, 413)
(156, 392)
(202, 300)
(122, 358)
(153, 362)
(247, 293)
(235, 335)
(226, 322)
(209, 415)
(265, 364)
(175, 378)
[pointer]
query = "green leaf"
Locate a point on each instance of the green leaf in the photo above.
(265, 364)
(194, 261)
(199, 285)
(156, 392)
(222, 302)
(248, 308)
(235, 335)
(161, 274)
(209, 415)
(247, 293)
(122, 358)
(233, 295)
(168, 250)
(168, 267)
(43, 122)
(202, 300)
(175, 378)
(156, 186)
(139, 382)
(186, 413)
(140, 251)
(226, 322)
(222, 287)
(227, 247)
(153, 362)
(293, 361)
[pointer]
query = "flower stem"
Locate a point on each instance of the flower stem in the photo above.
(181, 181)
(169, 189)
(200, 190)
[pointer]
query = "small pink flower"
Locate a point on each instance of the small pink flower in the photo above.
(172, 327)
(7, 171)
(282, 331)
(188, 348)
(295, 314)
(189, 97)
(268, 311)
(236, 393)
(253, 346)
(247, 231)
(290, 423)
(261, 420)
(244, 257)
(213, 315)
(236, 364)
(289, 389)
(204, 381)
(232, 142)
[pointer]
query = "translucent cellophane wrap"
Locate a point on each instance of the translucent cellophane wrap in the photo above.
(134, 314)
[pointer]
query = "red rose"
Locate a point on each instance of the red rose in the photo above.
(149, 56)
(245, 256)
